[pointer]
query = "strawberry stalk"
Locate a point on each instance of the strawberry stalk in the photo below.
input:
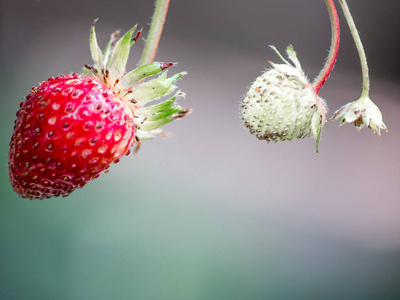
(156, 27)
(362, 112)
(333, 52)
(359, 46)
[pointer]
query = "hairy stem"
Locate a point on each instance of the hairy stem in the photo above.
(359, 46)
(333, 52)
(156, 27)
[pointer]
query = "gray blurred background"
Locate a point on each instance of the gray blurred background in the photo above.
(211, 212)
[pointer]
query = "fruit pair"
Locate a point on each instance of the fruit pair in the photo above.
(71, 128)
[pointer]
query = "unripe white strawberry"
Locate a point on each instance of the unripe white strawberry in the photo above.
(281, 104)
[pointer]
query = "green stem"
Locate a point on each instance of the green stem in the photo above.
(359, 45)
(156, 27)
(333, 52)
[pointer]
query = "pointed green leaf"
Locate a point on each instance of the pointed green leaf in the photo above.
(165, 114)
(293, 57)
(154, 89)
(280, 55)
(157, 120)
(165, 105)
(316, 125)
(142, 72)
(110, 46)
(119, 55)
(95, 51)
(148, 126)
(318, 138)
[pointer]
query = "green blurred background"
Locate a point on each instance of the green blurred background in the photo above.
(211, 212)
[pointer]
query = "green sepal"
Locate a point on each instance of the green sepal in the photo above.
(110, 46)
(161, 113)
(156, 108)
(154, 88)
(165, 114)
(279, 54)
(163, 110)
(119, 55)
(110, 66)
(140, 73)
(95, 51)
(151, 125)
(316, 126)
(319, 131)
(293, 57)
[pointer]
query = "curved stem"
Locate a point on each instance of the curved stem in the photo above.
(359, 46)
(333, 52)
(156, 27)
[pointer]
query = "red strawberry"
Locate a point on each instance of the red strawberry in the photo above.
(71, 128)
(68, 130)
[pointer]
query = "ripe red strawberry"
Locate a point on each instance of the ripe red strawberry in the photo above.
(71, 128)
(68, 130)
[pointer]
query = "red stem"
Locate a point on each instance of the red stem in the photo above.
(333, 52)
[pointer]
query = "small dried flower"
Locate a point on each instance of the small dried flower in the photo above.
(362, 112)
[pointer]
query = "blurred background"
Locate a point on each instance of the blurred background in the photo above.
(211, 212)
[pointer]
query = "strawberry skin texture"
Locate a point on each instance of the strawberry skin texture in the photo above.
(68, 130)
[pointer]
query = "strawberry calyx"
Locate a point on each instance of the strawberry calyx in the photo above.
(71, 128)
(296, 72)
(133, 87)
